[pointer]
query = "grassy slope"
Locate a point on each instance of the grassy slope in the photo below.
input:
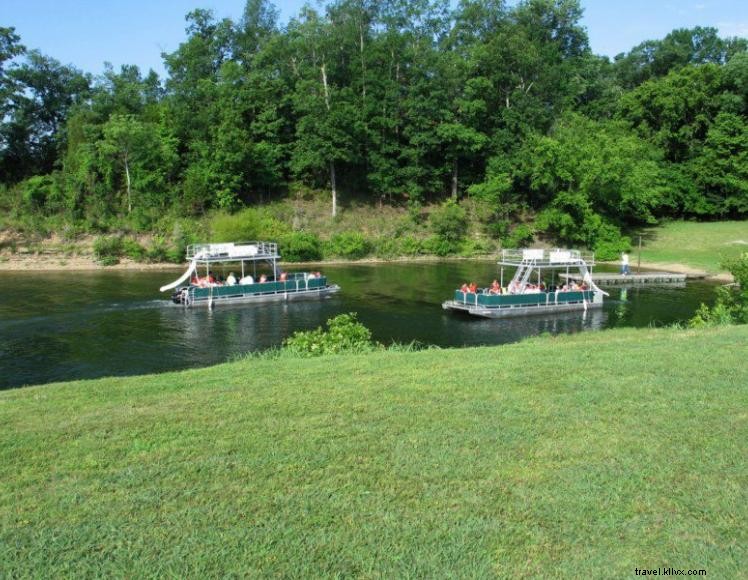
(588, 454)
(701, 245)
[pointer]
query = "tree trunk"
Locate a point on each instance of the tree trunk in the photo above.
(334, 189)
(454, 179)
(332, 163)
(127, 176)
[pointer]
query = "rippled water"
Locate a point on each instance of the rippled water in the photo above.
(64, 326)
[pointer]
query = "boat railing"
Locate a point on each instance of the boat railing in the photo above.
(546, 257)
(233, 251)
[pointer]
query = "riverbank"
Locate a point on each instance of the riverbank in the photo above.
(557, 456)
(56, 263)
(691, 248)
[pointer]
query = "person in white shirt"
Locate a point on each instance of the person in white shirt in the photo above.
(231, 280)
(624, 264)
(247, 280)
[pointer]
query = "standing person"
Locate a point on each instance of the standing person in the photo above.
(624, 264)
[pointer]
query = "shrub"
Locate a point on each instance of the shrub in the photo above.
(476, 247)
(245, 225)
(108, 250)
(440, 247)
(344, 334)
(449, 221)
(159, 251)
(350, 245)
(410, 246)
(609, 243)
(387, 248)
(521, 237)
(731, 305)
(301, 247)
(133, 250)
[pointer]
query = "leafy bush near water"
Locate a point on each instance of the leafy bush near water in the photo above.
(344, 334)
(351, 245)
(301, 247)
(108, 250)
(731, 306)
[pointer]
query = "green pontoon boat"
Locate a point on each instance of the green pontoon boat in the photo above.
(245, 257)
(527, 293)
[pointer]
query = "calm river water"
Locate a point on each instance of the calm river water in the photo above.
(63, 326)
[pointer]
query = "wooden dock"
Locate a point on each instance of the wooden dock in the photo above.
(608, 279)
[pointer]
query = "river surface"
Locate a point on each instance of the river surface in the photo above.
(65, 326)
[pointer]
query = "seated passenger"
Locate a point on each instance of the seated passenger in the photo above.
(464, 288)
(247, 280)
(283, 277)
(495, 288)
(473, 288)
(263, 278)
(231, 280)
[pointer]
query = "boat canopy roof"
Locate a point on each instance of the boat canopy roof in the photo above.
(542, 258)
(233, 252)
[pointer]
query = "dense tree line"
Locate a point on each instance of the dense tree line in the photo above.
(394, 101)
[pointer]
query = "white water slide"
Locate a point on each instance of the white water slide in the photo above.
(182, 280)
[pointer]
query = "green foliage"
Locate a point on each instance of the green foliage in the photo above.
(242, 226)
(133, 250)
(351, 245)
(610, 243)
(108, 249)
(301, 247)
(476, 247)
(520, 237)
(440, 247)
(731, 304)
(449, 223)
(344, 334)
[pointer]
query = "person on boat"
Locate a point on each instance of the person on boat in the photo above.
(211, 278)
(473, 288)
(231, 280)
(247, 280)
(495, 288)
(464, 288)
(283, 277)
(263, 278)
(542, 287)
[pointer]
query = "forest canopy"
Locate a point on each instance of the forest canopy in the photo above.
(395, 102)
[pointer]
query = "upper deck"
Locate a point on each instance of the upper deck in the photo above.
(542, 258)
(233, 252)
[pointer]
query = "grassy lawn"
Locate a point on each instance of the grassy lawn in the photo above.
(584, 455)
(700, 245)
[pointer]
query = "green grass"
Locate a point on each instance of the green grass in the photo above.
(586, 455)
(699, 245)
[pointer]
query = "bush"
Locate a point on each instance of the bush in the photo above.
(350, 245)
(243, 226)
(133, 250)
(159, 251)
(731, 305)
(344, 334)
(521, 237)
(476, 247)
(108, 250)
(609, 243)
(449, 221)
(301, 247)
(440, 247)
